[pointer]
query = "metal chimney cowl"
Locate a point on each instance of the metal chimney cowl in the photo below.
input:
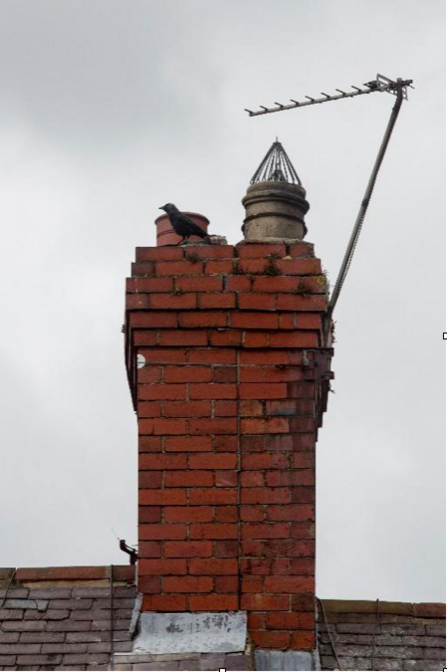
(275, 203)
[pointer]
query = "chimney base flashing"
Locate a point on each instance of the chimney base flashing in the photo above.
(286, 660)
(185, 632)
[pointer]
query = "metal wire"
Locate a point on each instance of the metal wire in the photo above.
(326, 622)
(112, 633)
(276, 166)
(373, 647)
(11, 579)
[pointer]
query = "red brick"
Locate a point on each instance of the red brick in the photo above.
(292, 512)
(270, 639)
(213, 426)
(213, 391)
(204, 319)
(150, 374)
(258, 461)
(263, 358)
(251, 548)
(149, 549)
(162, 426)
(183, 338)
(266, 496)
(250, 408)
(200, 284)
(303, 495)
(290, 620)
(164, 566)
(214, 267)
(251, 444)
(260, 266)
(212, 356)
(150, 285)
(225, 409)
(149, 409)
(162, 462)
(143, 268)
(264, 426)
(189, 444)
(173, 301)
(213, 461)
(188, 549)
(155, 253)
(302, 566)
(226, 443)
(153, 320)
(252, 584)
(304, 477)
(239, 283)
(252, 479)
(214, 251)
(303, 603)
(147, 338)
(259, 391)
(226, 514)
(254, 320)
(302, 250)
(188, 514)
(225, 479)
(149, 514)
(137, 301)
(214, 603)
(291, 407)
(226, 584)
(291, 442)
(316, 302)
(213, 566)
(299, 266)
(160, 355)
(303, 641)
(268, 531)
(194, 479)
(275, 284)
(255, 566)
(217, 300)
(287, 320)
(188, 584)
(150, 479)
(225, 337)
(225, 374)
(256, 339)
(288, 548)
(255, 620)
(164, 603)
(221, 497)
(262, 602)
(187, 374)
(294, 340)
(149, 584)
(186, 409)
(173, 391)
(162, 497)
(308, 321)
(260, 250)
(213, 530)
(178, 268)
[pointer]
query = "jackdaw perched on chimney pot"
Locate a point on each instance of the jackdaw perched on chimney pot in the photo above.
(182, 224)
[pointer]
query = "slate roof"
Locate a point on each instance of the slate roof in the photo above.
(381, 635)
(60, 618)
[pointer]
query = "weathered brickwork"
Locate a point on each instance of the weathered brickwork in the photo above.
(230, 395)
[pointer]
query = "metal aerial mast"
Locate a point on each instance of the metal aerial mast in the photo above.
(399, 89)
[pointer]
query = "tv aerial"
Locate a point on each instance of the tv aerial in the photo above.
(398, 88)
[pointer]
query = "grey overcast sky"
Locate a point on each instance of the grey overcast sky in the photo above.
(108, 109)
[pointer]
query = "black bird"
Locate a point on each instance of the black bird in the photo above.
(182, 224)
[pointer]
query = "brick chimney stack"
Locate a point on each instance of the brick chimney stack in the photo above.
(229, 377)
